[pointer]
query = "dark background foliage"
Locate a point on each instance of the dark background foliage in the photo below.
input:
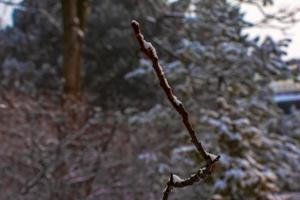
(122, 140)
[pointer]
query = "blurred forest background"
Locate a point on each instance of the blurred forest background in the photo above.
(82, 115)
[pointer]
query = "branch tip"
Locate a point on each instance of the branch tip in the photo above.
(174, 180)
(136, 26)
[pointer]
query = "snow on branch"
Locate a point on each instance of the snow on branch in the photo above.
(174, 180)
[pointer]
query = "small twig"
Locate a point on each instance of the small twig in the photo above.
(150, 52)
(63, 144)
(176, 182)
(33, 182)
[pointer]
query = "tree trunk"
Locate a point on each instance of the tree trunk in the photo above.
(74, 17)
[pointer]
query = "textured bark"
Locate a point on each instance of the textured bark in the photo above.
(74, 17)
(174, 180)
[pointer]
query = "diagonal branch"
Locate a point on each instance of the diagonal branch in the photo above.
(150, 52)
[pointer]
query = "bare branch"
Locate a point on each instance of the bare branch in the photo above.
(32, 183)
(176, 182)
(150, 52)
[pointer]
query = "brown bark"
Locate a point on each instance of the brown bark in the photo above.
(174, 180)
(74, 17)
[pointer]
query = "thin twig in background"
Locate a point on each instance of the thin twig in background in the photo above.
(174, 180)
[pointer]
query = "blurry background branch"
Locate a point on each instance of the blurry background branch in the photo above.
(285, 18)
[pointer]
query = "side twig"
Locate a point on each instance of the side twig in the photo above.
(175, 181)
